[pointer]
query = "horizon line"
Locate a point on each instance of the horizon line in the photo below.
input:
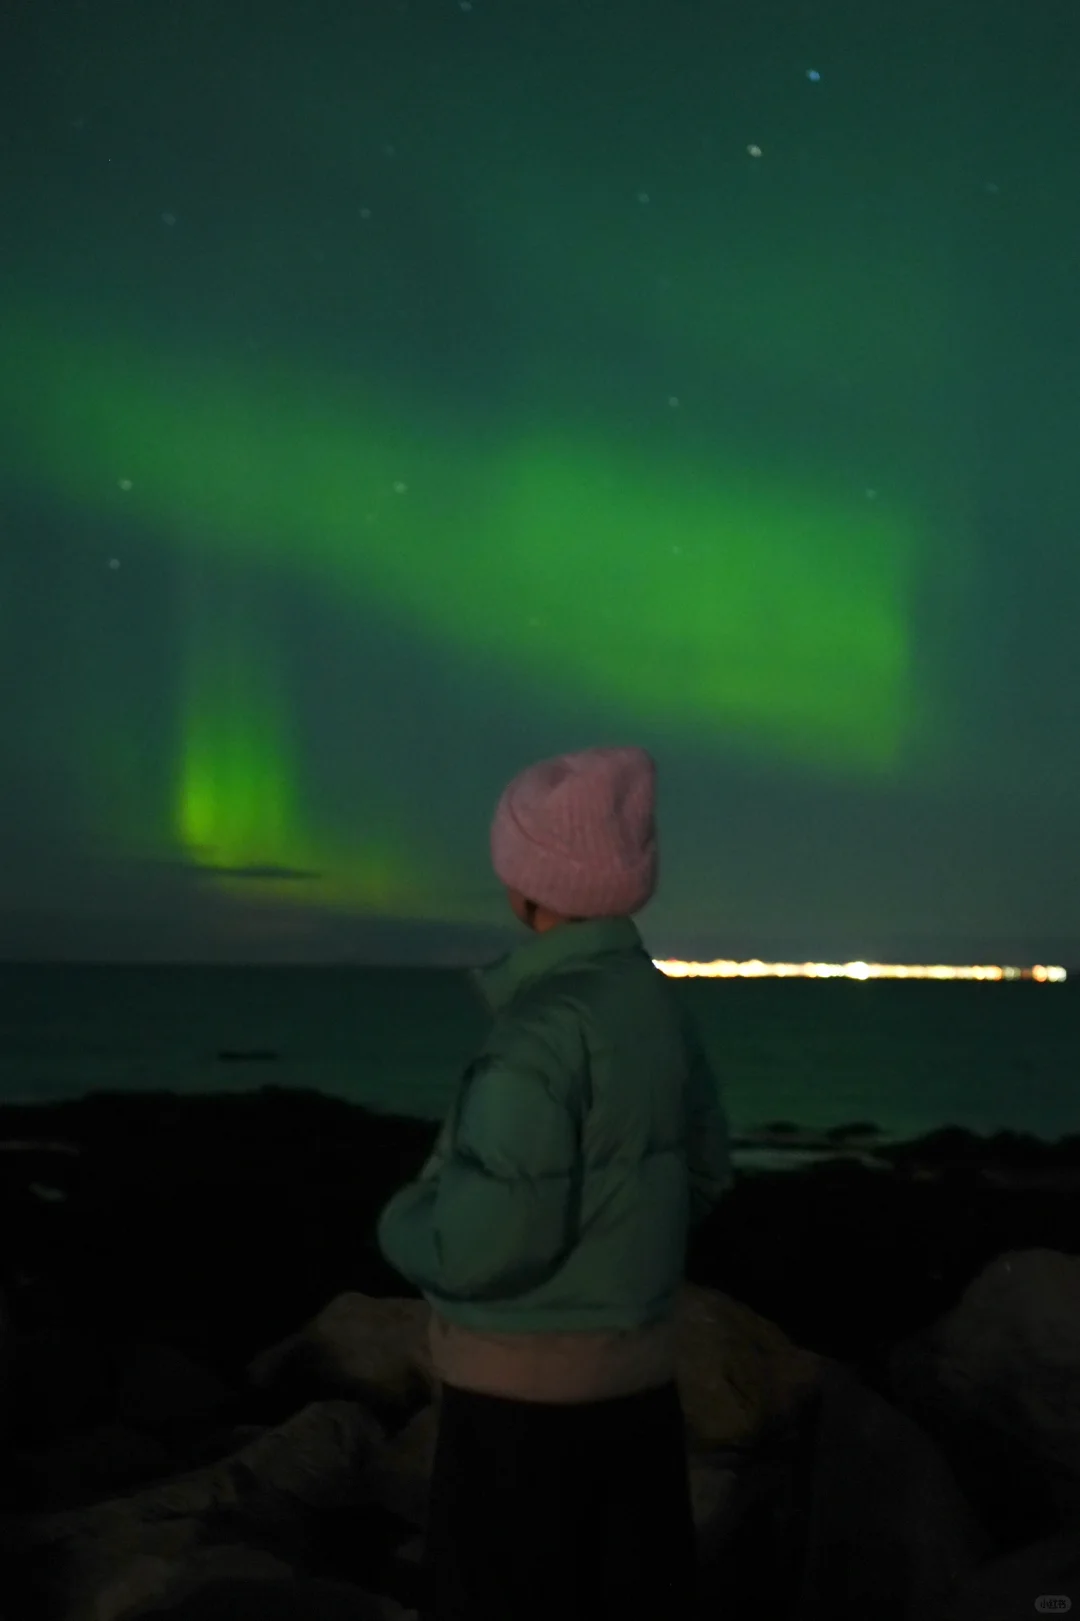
(856, 970)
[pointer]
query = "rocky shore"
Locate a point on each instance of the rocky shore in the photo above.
(216, 1399)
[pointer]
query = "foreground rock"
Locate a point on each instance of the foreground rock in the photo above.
(373, 1350)
(998, 1378)
(245, 1600)
(336, 1460)
(1008, 1587)
(220, 1405)
(888, 1530)
(739, 1375)
(114, 1558)
(813, 1495)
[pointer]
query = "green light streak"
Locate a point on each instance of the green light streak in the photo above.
(786, 599)
(237, 799)
(235, 793)
(715, 600)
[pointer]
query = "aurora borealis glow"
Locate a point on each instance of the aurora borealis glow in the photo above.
(391, 396)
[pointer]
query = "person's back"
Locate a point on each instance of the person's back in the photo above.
(548, 1228)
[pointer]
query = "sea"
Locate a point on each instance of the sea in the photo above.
(907, 1057)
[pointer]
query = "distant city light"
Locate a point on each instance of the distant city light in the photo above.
(853, 970)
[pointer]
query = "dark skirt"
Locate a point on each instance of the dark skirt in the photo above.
(539, 1510)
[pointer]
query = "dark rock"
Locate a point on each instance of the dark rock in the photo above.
(1010, 1587)
(1034, 1178)
(197, 1183)
(858, 1129)
(61, 1383)
(845, 1259)
(956, 1146)
(315, 1460)
(108, 1558)
(369, 1349)
(848, 1261)
(161, 1387)
(997, 1380)
(848, 1512)
(888, 1531)
(240, 1600)
(750, 1517)
(839, 1263)
(213, 1445)
(221, 1566)
(89, 1465)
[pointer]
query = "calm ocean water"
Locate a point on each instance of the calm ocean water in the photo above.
(908, 1057)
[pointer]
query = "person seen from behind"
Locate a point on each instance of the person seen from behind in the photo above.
(548, 1231)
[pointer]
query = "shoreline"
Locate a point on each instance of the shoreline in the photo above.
(221, 1221)
(31, 1126)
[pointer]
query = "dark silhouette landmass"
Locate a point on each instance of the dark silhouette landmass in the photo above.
(221, 1221)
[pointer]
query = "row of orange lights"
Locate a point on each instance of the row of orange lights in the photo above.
(754, 969)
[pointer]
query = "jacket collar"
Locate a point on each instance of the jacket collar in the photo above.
(562, 947)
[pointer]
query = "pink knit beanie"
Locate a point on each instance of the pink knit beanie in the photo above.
(577, 833)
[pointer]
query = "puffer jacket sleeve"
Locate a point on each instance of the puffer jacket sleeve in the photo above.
(708, 1135)
(493, 1213)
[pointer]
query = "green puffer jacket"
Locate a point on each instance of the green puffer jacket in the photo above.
(584, 1139)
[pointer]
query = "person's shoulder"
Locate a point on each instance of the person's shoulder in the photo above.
(543, 1024)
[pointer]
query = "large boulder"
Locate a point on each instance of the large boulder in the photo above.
(109, 1561)
(227, 1563)
(997, 1382)
(89, 1465)
(239, 1600)
(160, 1388)
(739, 1378)
(314, 1461)
(848, 1510)
(811, 1494)
(368, 1349)
(398, 1477)
(149, 1584)
(740, 1381)
(737, 1373)
(1040, 1579)
(887, 1530)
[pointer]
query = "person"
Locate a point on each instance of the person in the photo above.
(548, 1231)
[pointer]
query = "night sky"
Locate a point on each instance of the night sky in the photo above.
(394, 394)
